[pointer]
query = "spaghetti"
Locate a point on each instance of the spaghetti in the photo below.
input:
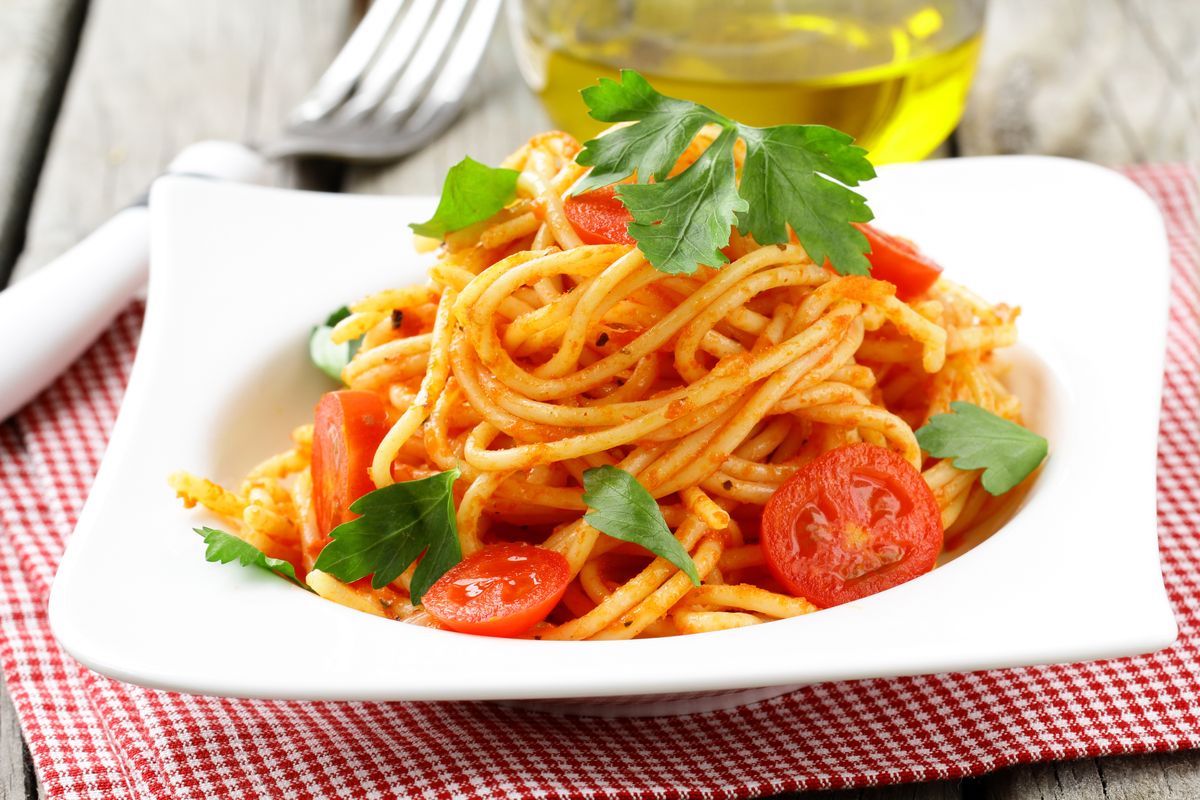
(530, 357)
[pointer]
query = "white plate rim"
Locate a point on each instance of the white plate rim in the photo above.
(366, 658)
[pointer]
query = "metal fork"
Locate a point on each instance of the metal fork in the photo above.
(397, 83)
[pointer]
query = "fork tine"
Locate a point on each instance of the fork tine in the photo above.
(382, 75)
(444, 99)
(351, 61)
(459, 67)
(427, 94)
(429, 54)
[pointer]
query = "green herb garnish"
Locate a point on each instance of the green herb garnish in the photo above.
(692, 213)
(328, 357)
(622, 508)
(978, 439)
(472, 193)
(396, 525)
(793, 175)
(224, 548)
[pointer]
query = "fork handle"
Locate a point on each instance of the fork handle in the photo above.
(48, 319)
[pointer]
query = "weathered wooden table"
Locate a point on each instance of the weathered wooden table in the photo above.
(96, 97)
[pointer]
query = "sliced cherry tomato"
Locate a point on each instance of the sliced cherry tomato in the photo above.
(852, 522)
(348, 428)
(898, 261)
(503, 590)
(599, 216)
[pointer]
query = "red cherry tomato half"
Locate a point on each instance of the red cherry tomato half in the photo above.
(503, 590)
(898, 261)
(348, 428)
(852, 522)
(599, 217)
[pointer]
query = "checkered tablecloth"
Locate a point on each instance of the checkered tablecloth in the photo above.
(92, 737)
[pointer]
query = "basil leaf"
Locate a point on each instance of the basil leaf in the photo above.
(224, 548)
(978, 439)
(622, 508)
(472, 193)
(328, 357)
(396, 525)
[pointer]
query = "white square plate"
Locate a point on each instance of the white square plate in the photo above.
(241, 273)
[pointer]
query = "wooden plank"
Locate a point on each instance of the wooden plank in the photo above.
(124, 155)
(1114, 81)
(37, 46)
(152, 77)
(939, 790)
(16, 772)
(37, 42)
(1168, 776)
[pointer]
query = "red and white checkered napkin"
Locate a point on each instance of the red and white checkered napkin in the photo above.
(96, 738)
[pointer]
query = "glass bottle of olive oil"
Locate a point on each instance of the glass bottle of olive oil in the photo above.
(893, 73)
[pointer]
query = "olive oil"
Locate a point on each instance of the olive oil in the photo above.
(898, 84)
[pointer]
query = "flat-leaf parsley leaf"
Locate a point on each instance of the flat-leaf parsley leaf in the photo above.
(978, 439)
(783, 182)
(692, 212)
(622, 508)
(472, 193)
(224, 548)
(793, 175)
(665, 126)
(396, 524)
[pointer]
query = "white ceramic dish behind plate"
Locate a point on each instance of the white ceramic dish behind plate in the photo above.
(240, 274)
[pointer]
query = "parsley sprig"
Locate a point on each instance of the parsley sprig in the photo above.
(395, 526)
(793, 175)
(794, 178)
(224, 548)
(978, 439)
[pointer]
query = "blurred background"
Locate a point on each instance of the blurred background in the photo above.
(892, 73)
(96, 96)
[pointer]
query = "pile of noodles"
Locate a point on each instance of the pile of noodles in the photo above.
(529, 357)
